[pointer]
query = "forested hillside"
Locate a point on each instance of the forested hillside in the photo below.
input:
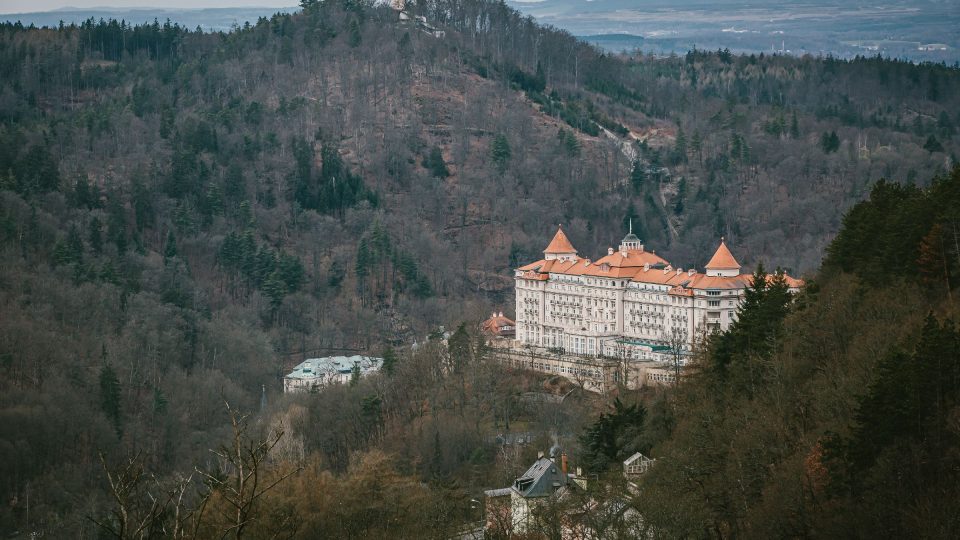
(184, 215)
(836, 415)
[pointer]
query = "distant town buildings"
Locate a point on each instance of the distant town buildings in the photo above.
(627, 318)
(316, 373)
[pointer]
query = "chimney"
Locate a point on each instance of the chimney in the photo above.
(646, 267)
(609, 251)
(691, 272)
(563, 463)
(500, 314)
(679, 271)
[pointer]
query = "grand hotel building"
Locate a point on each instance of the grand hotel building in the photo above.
(630, 304)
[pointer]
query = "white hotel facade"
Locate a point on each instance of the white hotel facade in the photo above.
(630, 304)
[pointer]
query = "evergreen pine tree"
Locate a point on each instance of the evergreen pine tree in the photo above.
(696, 145)
(932, 145)
(389, 360)
(72, 250)
(361, 268)
(435, 164)
(95, 237)
(290, 271)
(500, 152)
(615, 436)
(81, 193)
(355, 374)
(159, 401)
(117, 223)
(274, 288)
(170, 246)
(110, 395)
(680, 147)
(235, 188)
(637, 176)
(459, 348)
(681, 196)
(354, 38)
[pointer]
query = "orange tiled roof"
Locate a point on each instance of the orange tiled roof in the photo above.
(560, 244)
(664, 276)
(496, 325)
(533, 265)
(795, 282)
(619, 265)
(567, 267)
(631, 258)
(723, 259)
(792, 282)
(704, 281)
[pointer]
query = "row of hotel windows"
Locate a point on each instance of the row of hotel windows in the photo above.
(578, 301)
(558, 279)
(588, 281)
(661, 377)
(544, 366)
(582, 290)
(577, 309)
(555, 278)
(662, 298)
(635, 353)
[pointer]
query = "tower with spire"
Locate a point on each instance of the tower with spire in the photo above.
(631, 242)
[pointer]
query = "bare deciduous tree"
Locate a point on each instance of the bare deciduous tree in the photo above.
(144, 508)
(245, 480)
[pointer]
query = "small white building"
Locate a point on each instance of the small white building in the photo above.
(315, 373)
(637, 464)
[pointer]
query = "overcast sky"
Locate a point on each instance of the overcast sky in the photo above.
(25, 6)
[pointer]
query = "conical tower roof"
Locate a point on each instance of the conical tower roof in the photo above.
(560, 244)
(723, 259)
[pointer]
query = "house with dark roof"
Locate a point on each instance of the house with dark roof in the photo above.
(546, 500)
(512, 508)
